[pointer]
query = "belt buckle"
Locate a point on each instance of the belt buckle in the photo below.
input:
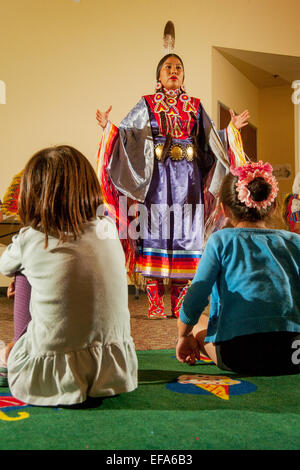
(177, 152)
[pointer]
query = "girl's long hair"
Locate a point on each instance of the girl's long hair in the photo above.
(59, 193)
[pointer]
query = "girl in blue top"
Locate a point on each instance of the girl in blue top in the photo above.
(252, 275)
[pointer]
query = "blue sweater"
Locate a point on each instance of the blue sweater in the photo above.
(253, 277)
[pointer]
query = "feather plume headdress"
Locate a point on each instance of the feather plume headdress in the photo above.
(169, 38)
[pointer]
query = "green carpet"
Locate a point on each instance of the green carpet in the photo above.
(227, 414)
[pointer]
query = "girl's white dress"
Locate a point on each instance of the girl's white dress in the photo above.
(78, 342)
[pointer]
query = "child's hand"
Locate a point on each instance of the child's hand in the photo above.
(11, 290)
(187, 349)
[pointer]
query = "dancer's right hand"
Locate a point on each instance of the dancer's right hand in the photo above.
(102, 117)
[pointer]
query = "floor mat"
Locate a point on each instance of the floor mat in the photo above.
(176, 407)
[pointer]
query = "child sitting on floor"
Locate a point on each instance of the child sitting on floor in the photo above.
(77, 343)
(253, 276)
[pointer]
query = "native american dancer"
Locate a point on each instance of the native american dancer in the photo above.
(168, 160)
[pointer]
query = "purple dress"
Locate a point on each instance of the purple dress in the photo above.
(171, 244)
(172, 196)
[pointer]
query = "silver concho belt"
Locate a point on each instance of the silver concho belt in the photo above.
(177, 152)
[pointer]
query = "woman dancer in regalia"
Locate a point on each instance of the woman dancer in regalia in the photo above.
(168, 158)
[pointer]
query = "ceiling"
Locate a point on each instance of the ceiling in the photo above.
(262, 69)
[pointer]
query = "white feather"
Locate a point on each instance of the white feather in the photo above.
(169, 38)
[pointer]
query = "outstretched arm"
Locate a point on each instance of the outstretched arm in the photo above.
(196, 299)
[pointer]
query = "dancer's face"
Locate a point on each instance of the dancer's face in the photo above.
(172, 74)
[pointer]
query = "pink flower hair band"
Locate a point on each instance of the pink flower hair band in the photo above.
(248, 173)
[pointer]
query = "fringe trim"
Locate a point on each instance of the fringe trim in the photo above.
(111, 195)
(215, 219)
(236, 152)
(10, 201)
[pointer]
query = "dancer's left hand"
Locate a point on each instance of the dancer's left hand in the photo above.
(239, 120)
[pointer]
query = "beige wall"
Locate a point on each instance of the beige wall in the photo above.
(233, 89)
(276, 130)
(271, 111)
(276, 139)
(62, 59)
